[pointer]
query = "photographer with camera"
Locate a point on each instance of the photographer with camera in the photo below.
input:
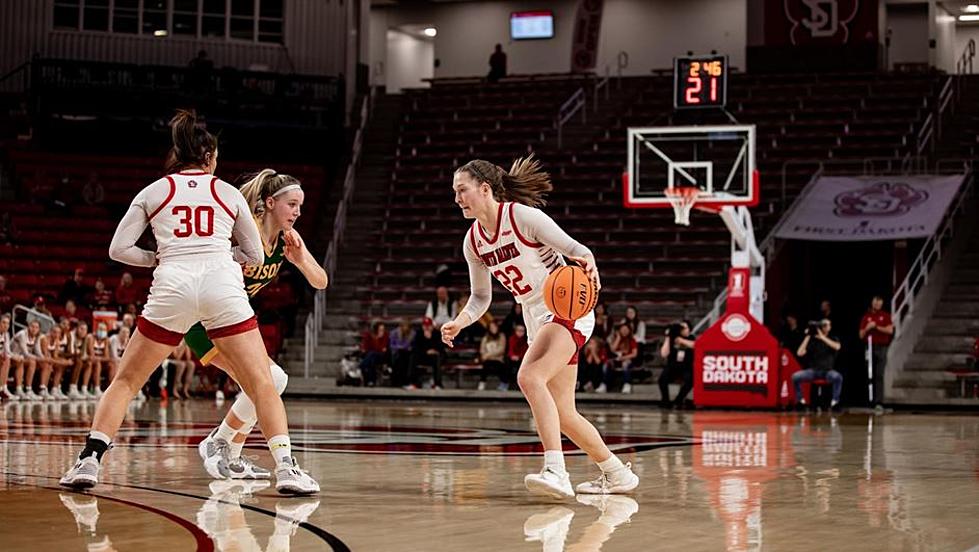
(677, 349)
(818, 351)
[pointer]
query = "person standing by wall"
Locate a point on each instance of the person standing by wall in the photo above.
(877, 327)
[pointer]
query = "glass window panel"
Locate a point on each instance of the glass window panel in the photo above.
(243, 28)
(185, 24)
(154, 21)
(214, 7)
(65, 17)
(125, 21)
(212, 26)
(243, 7)
(270, 8)
(96, 19)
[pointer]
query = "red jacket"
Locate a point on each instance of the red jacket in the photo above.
(880, 318)
(371, 343)
(517, 347)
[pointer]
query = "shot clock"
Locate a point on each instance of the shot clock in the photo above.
(699, 81)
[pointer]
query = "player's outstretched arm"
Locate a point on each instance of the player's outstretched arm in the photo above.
(297, 254)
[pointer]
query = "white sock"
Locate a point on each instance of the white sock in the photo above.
(44, 389)
(554, 459)
(100, 436)
(613, 463)
(281, 448)
(225, 431)
(235, 451)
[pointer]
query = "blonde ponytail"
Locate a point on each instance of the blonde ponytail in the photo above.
(262, 186)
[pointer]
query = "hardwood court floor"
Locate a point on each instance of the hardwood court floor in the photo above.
(420, 477)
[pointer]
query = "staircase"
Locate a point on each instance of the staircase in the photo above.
(344, 307)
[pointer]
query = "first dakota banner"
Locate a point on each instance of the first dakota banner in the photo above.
(864, 208)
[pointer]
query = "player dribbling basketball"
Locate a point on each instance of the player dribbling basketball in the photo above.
(520, 245)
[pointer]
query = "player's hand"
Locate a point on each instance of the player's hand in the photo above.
(590, 268)
(449, 332)
(294, 246)
(871, 325)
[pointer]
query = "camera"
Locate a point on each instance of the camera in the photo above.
(812, 327)
(674, 330)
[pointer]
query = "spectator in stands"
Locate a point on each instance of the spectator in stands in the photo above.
(93, 193)
(400, 347)
(374, 346)
(128, 321)
(182, 361)
(825, 310)
(441, 309)
(74, 288)
(426, 350)
(41, 311)
(638, 328)
(497, 63)
(127, 293)
(6, 300)
(6, 358)
(199, 76)
(443, 275)
(54, 364)
(64, 197)
(513, 319)
(818, 349)
(791, 334)
(492, 353)
(101, 298)
(98, 356)
(8, 231)
(877, 326)
(71, 312)
(677, 349)
(591, 364)
(517, 346)
(624, 352)
(603, 322)
(27, 346)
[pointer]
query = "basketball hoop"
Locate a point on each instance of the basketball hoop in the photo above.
(682, 198)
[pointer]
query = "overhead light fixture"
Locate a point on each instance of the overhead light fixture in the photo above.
(430, 31)
(969, 17)
(161, 32)
(972, 8)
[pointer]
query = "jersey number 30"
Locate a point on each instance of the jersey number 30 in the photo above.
(511, 277)
(199, 220)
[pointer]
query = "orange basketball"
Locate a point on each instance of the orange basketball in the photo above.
(569, 293)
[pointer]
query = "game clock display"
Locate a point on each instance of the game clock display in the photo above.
(699, 82)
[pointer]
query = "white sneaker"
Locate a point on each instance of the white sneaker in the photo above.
(601, 388)
(6, 394)
(89, 395)
(549, 528)
(73, 393)
(243, 468)
(98, 393)
(615, 510)
(291, 480)
(619, 481)
(549, 483)
(45, 395)
(59, 395)
(481, 386)
(214, 453)
(140, 396)
(626, 388)
(219, 396)
(83, 475)
(32, 396)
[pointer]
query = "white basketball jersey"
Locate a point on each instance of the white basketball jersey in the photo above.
(518, 263)
(191, 213)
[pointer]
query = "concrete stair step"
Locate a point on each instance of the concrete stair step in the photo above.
(951, 325)
(917, 395)
(955, 308)
(945, 345)
(934, 361)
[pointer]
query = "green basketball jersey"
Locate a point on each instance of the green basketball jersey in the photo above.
(257, 277)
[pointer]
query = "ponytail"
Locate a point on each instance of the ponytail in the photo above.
(263, 185)
(192, 143)
(526, 183)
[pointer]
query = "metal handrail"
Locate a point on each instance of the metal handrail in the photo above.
(902, 303)
(46, 321)
(965, 60)
(569, 109)
(314, 321)
(602, 84)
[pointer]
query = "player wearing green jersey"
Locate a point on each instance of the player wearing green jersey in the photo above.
(276, 200)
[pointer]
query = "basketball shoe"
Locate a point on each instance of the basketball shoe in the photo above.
(214, 452)
(617, 481)
(291, 480)
(243, 468)
(83, 475)
(549, 483)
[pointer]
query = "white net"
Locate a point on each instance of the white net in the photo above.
(682, 199)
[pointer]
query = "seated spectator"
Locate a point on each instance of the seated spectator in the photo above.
(426, 350)
(603, 322)
(74, 288)
(517, 347)
(93, 193)
(791, 335)
(400, 347)
(101, 298)
(513, 319)
(27, 346)
(8, 231)
(441, 309)
(818, 351)
(117, 346)
(7, 357)
(72, 313)
(127, 293)
(624, 352)
(492, 353)
(41, 313)
(78, 354)
(591, 364)
(638, 328)
(474, 332)
(128, 321)
(677, 349)
(374, 346)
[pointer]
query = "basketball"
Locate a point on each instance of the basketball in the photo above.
(569, 293)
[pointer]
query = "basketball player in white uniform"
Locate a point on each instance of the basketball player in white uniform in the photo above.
(193, 216)
(520, 245)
